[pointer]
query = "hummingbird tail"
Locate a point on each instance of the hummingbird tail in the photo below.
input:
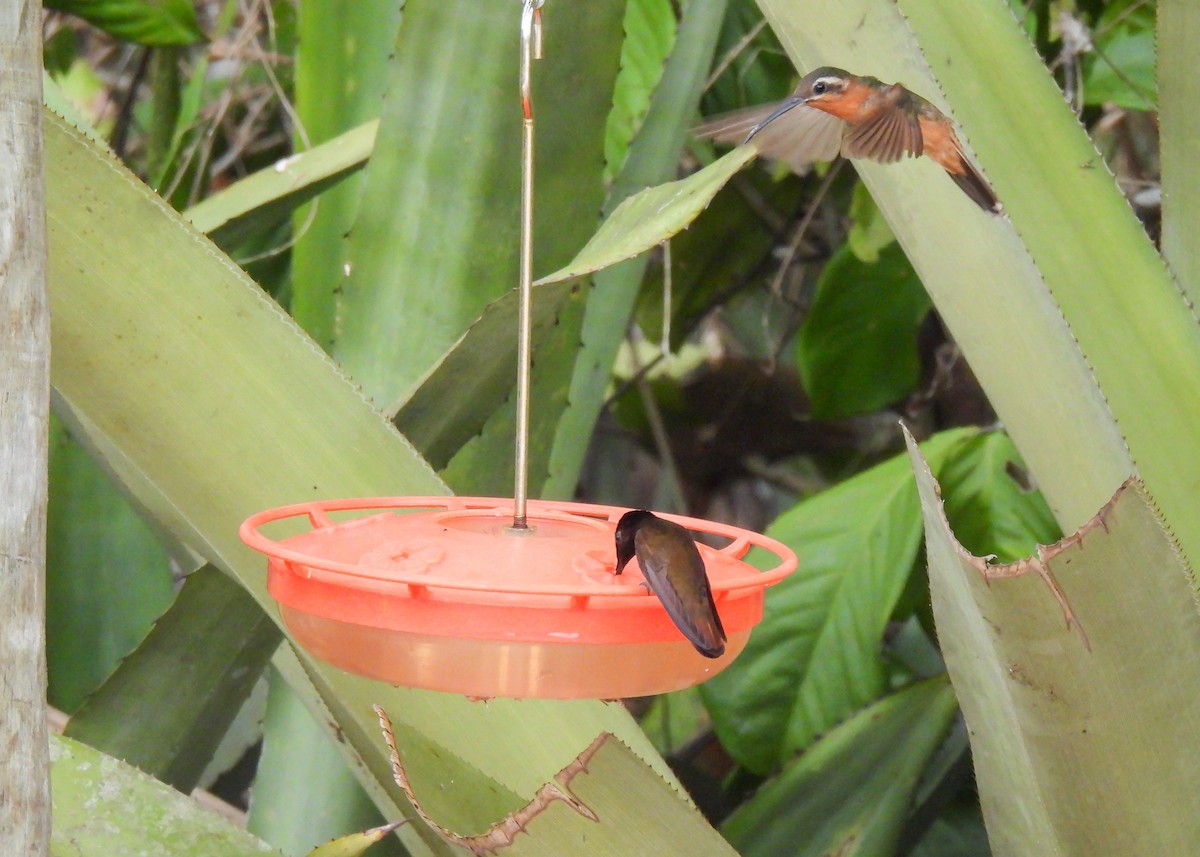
(976, 187)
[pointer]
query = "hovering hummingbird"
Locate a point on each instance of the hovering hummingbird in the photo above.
(833, 111)
(673, 568)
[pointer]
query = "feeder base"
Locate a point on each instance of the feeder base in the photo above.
(486, 668)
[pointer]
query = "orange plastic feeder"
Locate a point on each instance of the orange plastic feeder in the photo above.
(441, 593)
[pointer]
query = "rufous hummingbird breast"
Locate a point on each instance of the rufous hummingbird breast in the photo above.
(832, 111)
(674, 570)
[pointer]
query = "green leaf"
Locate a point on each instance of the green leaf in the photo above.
(484, 465)
(1179, 140)
(441, 193)
(982, 280)
(647, 219)
(1121, 70)
(209, 649)
(649, 36)
(190, 100)
(674, 719)
(474, 378)
(653, 157)
(304, 793)
(857, 350)
(107, 574)
(851, 792)
(103, 807)
(605, 799)
(148, 22)
(869, 234)
(958, 832)
(815, 658)
(257, 203)
(1049, 716)
(993, 513)
(724, 247)
(342, 56)
(354, 844)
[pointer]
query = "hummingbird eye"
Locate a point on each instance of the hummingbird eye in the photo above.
(819, 87)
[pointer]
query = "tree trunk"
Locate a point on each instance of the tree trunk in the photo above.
(24, 409)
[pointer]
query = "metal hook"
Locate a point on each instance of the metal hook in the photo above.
(531, 49)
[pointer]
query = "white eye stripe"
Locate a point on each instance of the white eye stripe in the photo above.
(825, 85)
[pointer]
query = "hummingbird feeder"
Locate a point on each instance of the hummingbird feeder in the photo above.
(499, 597)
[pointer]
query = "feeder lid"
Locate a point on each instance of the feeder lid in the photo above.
(453, 567)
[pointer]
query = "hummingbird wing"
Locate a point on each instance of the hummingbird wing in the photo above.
(672, 566)
(887, 138)
(891, 131)
(798, 137)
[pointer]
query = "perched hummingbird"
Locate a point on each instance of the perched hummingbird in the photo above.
(672, 566)
(833, 111)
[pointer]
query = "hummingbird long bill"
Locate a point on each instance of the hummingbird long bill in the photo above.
(674, 570)
(833, 112)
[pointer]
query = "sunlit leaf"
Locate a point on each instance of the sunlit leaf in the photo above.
(652, 216)
(1046, 712)
(103, 807)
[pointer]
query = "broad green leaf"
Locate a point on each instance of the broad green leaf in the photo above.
(304, 794)
(850, 792)
(260, 200)
(653, 157)
(342, 56)
(606, 800)
(1060, 731)
(992, 513)
(647, 219)
(138, 343)
(436, 237)
(857, 349)
(107, 574)
(210, 649)
(103, 807)
(816, 656)
(649, 36)
(1179, 140)
(147, 22)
